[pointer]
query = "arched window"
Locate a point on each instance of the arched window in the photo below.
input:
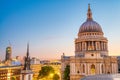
(92, 69)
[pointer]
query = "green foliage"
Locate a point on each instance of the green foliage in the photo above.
(34, 78)
(56, 77)
(45, 71)
(13, 78)
(66, 75)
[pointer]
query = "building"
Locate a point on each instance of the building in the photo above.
(103, 77)
(35, 60)
(26, 72)
(91, 52)
(8, 53)
(45, 62)
(10, 72)
(118, 64)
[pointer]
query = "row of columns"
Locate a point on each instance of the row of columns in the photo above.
(87, 68)
(91, 45)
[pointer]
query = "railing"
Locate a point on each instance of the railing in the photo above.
(103, 77)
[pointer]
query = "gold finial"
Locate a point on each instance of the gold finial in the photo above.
(89, 13)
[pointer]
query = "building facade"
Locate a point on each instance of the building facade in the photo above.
(118, 64)
(8, 54)
(91, 52)
(14, 72)
(35, 60)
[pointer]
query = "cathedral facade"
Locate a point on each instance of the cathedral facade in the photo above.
(91, 52)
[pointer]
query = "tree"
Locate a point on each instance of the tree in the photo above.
(66, 75)
(56, 77)
(45, 72)
(13, 78)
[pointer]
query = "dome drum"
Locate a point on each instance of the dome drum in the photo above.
(90, 34)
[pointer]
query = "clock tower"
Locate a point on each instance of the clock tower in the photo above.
(8, 53)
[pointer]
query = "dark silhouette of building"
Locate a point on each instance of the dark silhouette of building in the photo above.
(8, 53)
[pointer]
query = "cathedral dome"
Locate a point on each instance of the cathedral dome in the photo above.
(90, 25)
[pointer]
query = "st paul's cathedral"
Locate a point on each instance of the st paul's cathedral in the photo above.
(91, 52)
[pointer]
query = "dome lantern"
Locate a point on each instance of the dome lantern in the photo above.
(89, 13)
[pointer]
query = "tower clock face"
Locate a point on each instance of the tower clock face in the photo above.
(8, 50)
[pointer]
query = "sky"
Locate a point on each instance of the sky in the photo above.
(51, 26)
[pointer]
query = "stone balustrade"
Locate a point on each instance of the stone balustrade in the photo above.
(103, 77)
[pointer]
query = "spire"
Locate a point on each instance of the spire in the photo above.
(27, 49)
(27, 60)
(89, 13)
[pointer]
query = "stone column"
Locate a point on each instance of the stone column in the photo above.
(104, 45)
(88, 45)
(88, 69)
(92, 46)
(101, 45)
(96, 45)
(85, 45)
(80, 46)
(100, 67)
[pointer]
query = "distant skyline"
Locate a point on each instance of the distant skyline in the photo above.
(51, 26)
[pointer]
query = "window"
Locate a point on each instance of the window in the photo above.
(92, 54)
(92, 69)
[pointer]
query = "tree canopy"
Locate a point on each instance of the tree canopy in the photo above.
(66, 75)
(56, 77)
(45, 71)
